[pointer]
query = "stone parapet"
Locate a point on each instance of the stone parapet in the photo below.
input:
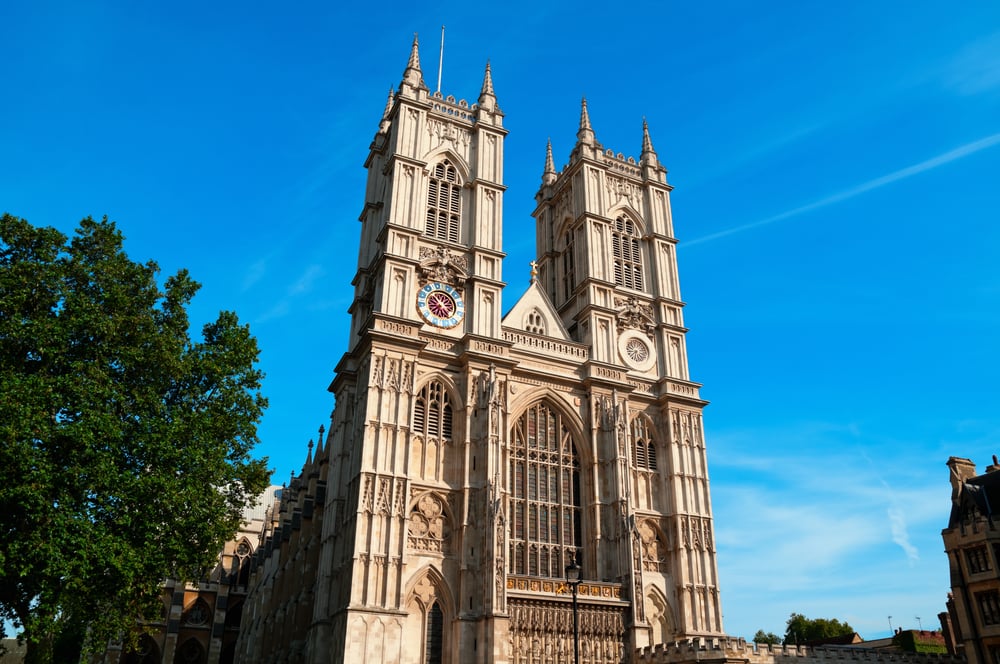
(739, 650)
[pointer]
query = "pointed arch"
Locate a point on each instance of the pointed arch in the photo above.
(534, 322)
(433, 412)
(434, 424)
(644, 444)
(446, 176)
(430, 610)
(198, 613)
(626, 251)
(660, 616)
(427, 586)
(655, 547)
(190, 652)
(544, 482)
(146, 652)
(442, 153)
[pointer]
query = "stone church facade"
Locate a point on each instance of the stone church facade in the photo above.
(473, 456)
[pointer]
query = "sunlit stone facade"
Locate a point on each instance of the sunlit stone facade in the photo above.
(472, 456)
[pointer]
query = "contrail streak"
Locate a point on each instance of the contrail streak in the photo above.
(902, 174)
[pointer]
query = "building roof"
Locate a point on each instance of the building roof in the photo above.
(978, 494)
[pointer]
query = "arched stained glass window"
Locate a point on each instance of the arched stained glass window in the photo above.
(544, 486)
(435, 634)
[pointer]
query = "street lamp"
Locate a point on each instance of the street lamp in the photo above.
(573, 578)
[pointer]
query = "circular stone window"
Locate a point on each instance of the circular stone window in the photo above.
(636, 350)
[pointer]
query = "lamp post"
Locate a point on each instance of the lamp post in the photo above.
(573, 578)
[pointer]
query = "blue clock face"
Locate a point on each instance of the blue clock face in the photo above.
(440, 305)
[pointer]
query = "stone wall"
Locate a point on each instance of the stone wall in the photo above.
(733, 651)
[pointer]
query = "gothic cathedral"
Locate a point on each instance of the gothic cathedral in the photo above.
(473, 456)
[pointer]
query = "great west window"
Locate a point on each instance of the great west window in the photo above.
(544, 484)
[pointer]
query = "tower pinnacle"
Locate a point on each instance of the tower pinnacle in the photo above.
(412, 75)
(586, 132)
(549, 174)
(383, 125)
(487, 100)
(648, 155)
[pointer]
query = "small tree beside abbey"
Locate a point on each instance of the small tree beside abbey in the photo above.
(125, 446)
(800, 629)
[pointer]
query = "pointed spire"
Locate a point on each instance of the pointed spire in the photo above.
(586, 132)
(383, 125)
(487, 99)
(412, 75)
(549, 174)
(309, 454)
(647, 144)
(319, 440)
(648, 156)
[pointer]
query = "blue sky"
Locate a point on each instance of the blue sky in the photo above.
(837, 174)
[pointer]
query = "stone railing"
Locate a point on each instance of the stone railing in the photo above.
(731, 649)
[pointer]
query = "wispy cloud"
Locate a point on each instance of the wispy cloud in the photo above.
(254, 274)
(976, 68)
(305, 282)
(895, 176)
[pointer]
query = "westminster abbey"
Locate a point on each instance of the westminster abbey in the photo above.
(474, 456)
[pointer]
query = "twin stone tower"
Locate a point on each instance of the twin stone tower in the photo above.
(473, 456)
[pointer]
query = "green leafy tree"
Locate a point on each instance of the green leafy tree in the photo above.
(766, 637)
(800, 629)
(125, 446)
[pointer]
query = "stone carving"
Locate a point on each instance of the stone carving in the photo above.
(619, 188)
(368, 500)
(429, 526)
(542, 631)
(439, 264)
(441, 131)
(384, 495)
(635, 315)
(654, 550)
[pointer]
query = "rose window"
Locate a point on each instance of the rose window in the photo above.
(637, 351)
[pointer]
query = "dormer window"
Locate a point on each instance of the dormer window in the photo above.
(444, 203)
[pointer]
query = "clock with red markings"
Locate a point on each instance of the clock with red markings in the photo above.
(440, 305)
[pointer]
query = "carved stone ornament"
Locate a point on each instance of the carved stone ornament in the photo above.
(633, 314)
(429, 529)
(439, 264)
(635, 350)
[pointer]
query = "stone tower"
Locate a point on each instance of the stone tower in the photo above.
(472, 457)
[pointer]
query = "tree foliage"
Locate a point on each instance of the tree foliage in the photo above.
(800, 629)
(766, 637)
(125, 446)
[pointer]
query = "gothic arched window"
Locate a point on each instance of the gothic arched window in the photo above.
(432, 415)
(444, 203)
(569, 268)
(534, 322)
(644, 449)
(627, 254)
(544, 485)
(435, 634)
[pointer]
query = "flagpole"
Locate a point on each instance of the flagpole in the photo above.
(441, 60)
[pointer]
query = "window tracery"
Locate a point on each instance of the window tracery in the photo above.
(432, 412)
(534, 323)
(429, 529)
(643, 446)
(544, 485)
(627, 254)
(444, 202)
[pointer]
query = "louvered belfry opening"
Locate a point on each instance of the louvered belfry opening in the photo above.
(444, 203)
